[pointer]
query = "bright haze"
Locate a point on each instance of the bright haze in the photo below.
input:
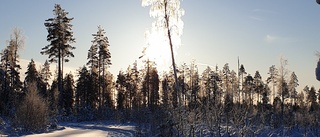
(214, 33)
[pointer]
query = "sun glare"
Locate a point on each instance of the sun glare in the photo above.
(158, 50)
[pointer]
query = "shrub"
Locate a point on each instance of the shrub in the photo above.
(32, 114)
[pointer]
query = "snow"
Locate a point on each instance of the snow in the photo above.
(91, 129)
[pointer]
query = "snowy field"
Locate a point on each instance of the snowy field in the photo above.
(91, 129)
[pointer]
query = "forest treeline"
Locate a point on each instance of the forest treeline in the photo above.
(216, 102)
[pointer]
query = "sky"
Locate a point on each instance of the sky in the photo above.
(214, 32)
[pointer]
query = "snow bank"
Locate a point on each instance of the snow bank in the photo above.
(91, 129)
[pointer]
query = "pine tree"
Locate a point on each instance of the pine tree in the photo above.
(16, 42)
(193, 85)
(242, 72)
(82, 89)
(146, 82)
(248, 86)
(60, 36)
(99, 55)
(120, 85)
(273, 74)
(33, 76)
(293, 83)
(11, 85)
(312, 98)
(226, 78)
(265, 94)
(5, 93)
(129, 88)
(53, 97)
(92, 57)
(45, 73)
(106, 97)
(228, 102)
(135, 82)
(154, 89)
(68, 95)
(207, 86)
(165, 91)
(283, 90)
(258, 85)
(234, 84)
(184, 87)
(85, 97)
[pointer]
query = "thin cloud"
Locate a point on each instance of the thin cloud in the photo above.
(260, 14)
(256, 18)
(271, 39)
(264, 11)
(279, 39)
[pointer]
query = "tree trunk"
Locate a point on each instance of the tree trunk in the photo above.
(171, 48)
(59, 81)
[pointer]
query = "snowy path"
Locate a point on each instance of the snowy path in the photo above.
(91, 130)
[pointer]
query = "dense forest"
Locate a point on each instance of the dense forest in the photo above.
(180, 102)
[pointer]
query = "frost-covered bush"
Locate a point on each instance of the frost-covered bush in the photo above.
(32, 114)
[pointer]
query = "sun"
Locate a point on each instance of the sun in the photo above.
(158, 50)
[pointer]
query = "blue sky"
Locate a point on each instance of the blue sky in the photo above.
(215, 32)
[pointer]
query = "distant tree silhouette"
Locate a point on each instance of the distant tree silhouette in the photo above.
(311, 94)
(12, 84)
(45, 73)
(194, 85)
(258, 85)
(31, 73)
(242, 72)
(273, 74)
(94, 70)
(68, 95)
(207, 85)
(312, 99)
(283, 90)
(107, 99)
(85, 97)
(15, 44)
(233, 85)
(133, 81)
(165, 85)
(60, 36)
(33, 76)
(248, 86)
(120, 85)
(82, 88)
(53, 97)
(100, 55)
(293, 83)
(154, 90)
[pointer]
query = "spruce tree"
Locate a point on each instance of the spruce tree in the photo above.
(31, 73)
(68, 95)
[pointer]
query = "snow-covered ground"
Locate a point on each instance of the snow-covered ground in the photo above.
(91, 129)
